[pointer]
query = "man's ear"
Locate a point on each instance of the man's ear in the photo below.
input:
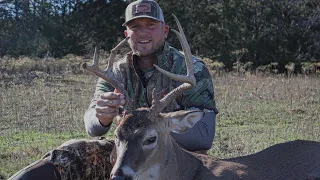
(182, 121)
(166, 30)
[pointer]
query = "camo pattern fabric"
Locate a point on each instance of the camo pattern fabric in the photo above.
(83, 159)
(140, 83)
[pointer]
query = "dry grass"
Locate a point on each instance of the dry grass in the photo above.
(259, 111)
(255, 112)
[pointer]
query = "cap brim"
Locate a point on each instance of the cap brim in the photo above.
(142, 16)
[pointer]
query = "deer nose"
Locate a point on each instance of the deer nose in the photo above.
(118, 178)
(118, 175)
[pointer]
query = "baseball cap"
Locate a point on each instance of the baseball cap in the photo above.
(143, 8)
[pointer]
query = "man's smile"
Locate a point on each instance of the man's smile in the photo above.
(144, 41)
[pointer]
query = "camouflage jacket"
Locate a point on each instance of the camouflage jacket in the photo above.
(140, 83)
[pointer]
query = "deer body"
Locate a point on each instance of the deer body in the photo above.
(296, 160)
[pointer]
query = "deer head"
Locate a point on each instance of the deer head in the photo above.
(143, 134)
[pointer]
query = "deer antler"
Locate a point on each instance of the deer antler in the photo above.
(107, 74)
(189, 80)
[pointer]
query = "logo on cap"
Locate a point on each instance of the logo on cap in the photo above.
(141, 8)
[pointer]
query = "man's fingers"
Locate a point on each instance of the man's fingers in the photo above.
(110, 102)
(111, 95)
(105, 115)
(106, 109)
(111, 99)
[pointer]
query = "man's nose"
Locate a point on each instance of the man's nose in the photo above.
(143, 31)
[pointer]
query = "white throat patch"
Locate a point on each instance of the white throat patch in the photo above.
(151, 173)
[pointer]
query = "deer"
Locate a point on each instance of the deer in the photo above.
(145, 149)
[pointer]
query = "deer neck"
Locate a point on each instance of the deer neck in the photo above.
(179, 164)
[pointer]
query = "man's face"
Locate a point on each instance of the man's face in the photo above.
(147, 36)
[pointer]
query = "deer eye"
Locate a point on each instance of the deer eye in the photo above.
(150, 140)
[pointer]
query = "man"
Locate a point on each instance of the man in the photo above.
(89, 159)
(146, 28)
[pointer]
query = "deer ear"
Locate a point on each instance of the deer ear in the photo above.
(182, 121)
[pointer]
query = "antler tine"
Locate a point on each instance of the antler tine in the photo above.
(107, 74)
(155, 99)
(189, 80)
(187, 52)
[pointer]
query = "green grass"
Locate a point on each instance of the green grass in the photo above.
(256, 112)
(18, 149)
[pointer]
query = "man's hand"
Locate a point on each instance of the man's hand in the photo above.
(108, 106)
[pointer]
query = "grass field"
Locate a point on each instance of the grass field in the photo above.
(256, 111)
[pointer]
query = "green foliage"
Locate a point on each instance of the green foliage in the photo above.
(309, 68)
(267, 31)
(215, 67)
(270, 31)
(59, 28)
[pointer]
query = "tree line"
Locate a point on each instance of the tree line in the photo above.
(229, 31)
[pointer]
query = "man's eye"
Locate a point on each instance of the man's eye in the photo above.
(133, 27)
(151, 25)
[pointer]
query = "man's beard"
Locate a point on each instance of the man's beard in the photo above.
(143, 53)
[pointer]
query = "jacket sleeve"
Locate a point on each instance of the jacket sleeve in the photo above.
(202, 95)
(200, 136)
(91, 122)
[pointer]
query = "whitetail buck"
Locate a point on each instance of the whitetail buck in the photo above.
(146, 151)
